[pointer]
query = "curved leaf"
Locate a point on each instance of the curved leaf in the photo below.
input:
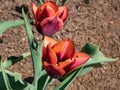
(13, 59)
(9, 24)
(68, 79)
(36, 51)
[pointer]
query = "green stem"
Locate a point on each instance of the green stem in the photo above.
(80, 69)
(5, 77)
(57, 1)
(41, 2)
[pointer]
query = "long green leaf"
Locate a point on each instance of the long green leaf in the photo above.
(85, 70)
(5, 77)
(41, 2)
(15, 81)
(9, 24)
(13, 59)
(99, 60)
(68, 80)
(63, 2)
(97, 57)
(56, 1)
(36, 51)
(45, 79)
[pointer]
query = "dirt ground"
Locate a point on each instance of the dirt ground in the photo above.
(95, 21)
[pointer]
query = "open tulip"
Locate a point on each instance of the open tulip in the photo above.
(60, 58)
(49, 18)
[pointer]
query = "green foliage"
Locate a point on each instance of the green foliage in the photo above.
(5, 77)
(40, 2)
(4, 25)
(36, 52)
(11, 81)
(56, 1)
(68, 79)
(9, 24)
(97, 57)
(45, 79)
(34, 48)
(85, 71)
(63, 2)
(13, 59)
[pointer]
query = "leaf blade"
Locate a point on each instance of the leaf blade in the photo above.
(9, 24)
(69, 79)
(36, 51)
(5, 77)
(13, 59)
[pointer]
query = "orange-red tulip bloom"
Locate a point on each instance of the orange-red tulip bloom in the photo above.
(60, 58)
(49, 18)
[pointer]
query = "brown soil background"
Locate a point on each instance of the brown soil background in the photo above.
(95, 21)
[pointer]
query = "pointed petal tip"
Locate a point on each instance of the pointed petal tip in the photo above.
(48, 40)
(34, 9)
(51, 55)
(64, 49)
(63, 12)
(79, 59)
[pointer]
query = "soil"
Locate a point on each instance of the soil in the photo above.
(95, 21)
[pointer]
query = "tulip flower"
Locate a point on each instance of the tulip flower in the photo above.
(60, 58)
(49, 18)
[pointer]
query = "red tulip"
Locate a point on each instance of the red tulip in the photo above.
(60, 58)
(49, 18)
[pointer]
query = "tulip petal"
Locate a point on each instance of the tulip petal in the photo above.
(46, 12)
(64, 49)
(51, 55)
(65, 63)
(50, 4)
(78, 60)
(53, 70)
(34, 9)
(62, 12)
(48, 40)
(51, 25)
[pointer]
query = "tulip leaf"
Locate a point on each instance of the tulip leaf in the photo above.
(63, 2)
(5, 77)
(12, 81)
(13, 59)
(41, 2)
(15, 82)
(90, 49)
(36, 51)
(97, 58)
(85, 70)
(4, 25)
(45, 79)
(68, 79)
(56, 1)
(9, 24)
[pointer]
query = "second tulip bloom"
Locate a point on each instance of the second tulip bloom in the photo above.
(60, 58)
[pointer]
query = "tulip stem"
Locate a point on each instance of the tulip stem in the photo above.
(41, 2)
(57, 1)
